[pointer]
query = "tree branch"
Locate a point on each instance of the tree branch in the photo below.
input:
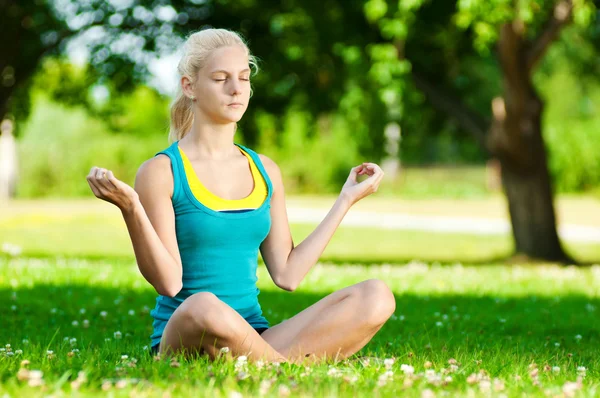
(468, 119)
(560, 17)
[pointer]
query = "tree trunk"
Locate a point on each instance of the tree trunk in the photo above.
(530, 205)
(516, 139)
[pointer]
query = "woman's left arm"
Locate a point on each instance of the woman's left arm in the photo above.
(288, 265)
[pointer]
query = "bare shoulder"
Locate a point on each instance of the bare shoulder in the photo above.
(155, 174)
(273, 171)
(270, 165)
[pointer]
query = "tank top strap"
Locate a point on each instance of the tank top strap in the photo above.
(261, 168)
(175, 168)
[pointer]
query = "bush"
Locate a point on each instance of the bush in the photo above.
(60, 145)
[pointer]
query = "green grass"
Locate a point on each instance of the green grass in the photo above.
(463, 303)
(493, 320)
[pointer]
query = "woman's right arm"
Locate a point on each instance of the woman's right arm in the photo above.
(150, 220)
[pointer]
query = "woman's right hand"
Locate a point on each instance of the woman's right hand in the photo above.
(107, 187)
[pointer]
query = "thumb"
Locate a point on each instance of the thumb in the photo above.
(113, 180)
(354, 173)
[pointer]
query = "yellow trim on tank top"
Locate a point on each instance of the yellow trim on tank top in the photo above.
(214, 202)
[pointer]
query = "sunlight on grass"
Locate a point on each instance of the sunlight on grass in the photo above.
(85, 325)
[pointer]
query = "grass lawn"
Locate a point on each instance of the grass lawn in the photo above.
(510, 330)
(76, 308)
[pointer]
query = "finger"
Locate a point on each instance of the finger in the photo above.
(112, 179)
(92, 173)
(99, 174)
(94, 188)
(101, 180)
(354, 172)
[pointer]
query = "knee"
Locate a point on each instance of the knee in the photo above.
(377, 301)
(203, 311)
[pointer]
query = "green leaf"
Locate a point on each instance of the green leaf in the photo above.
(375, 10)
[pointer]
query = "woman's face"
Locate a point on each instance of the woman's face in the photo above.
(222, 88)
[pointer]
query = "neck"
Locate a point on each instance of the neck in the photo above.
(210, 141)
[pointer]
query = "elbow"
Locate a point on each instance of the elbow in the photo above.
(169, 290)
(289, 286)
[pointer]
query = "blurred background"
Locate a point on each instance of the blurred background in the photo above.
(483, 114)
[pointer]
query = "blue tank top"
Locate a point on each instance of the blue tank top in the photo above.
(219, 250)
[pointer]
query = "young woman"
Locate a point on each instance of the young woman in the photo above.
(202, 208)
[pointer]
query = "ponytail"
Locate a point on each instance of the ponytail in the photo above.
(182, 117)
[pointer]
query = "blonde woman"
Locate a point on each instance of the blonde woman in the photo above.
(202, 208)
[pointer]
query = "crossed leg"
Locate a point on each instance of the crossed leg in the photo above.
(335, 327)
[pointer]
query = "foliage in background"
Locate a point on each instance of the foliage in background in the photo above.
(60, 145)
(571, 119)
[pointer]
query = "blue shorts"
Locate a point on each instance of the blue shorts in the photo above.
(154, 348)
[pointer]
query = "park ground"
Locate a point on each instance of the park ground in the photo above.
(470, 320)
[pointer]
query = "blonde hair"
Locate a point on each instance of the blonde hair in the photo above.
(196, 50)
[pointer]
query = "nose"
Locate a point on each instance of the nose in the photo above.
(236, 87)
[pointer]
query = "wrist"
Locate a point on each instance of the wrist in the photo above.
(345, 201)
(131, 208)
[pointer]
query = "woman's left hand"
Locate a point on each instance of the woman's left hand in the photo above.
(355, 191)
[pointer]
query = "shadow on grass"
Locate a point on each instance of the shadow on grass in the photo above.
(429, 326)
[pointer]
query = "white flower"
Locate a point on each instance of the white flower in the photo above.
(225, 350)
(427, 393)
(485, 385)
(118, 335)
(18, 352)
(242, 358)
(25, 341)
(578, 337)
(131, 312)
(82, 311)
(35, 374)
(103, 314)
(388, 362)
(556, 369)
(438, 324)
(265, 385)
(53, 311)
(86, 323)
(73, 341)
(557, 344)
(334, 372)
(407, 369)
(13, 307)
(49, 352)
(124, 357)
(569, 388)
(284, 390)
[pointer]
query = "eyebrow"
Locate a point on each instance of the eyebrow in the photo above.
(224, 71)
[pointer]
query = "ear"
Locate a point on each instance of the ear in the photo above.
(186, 86)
